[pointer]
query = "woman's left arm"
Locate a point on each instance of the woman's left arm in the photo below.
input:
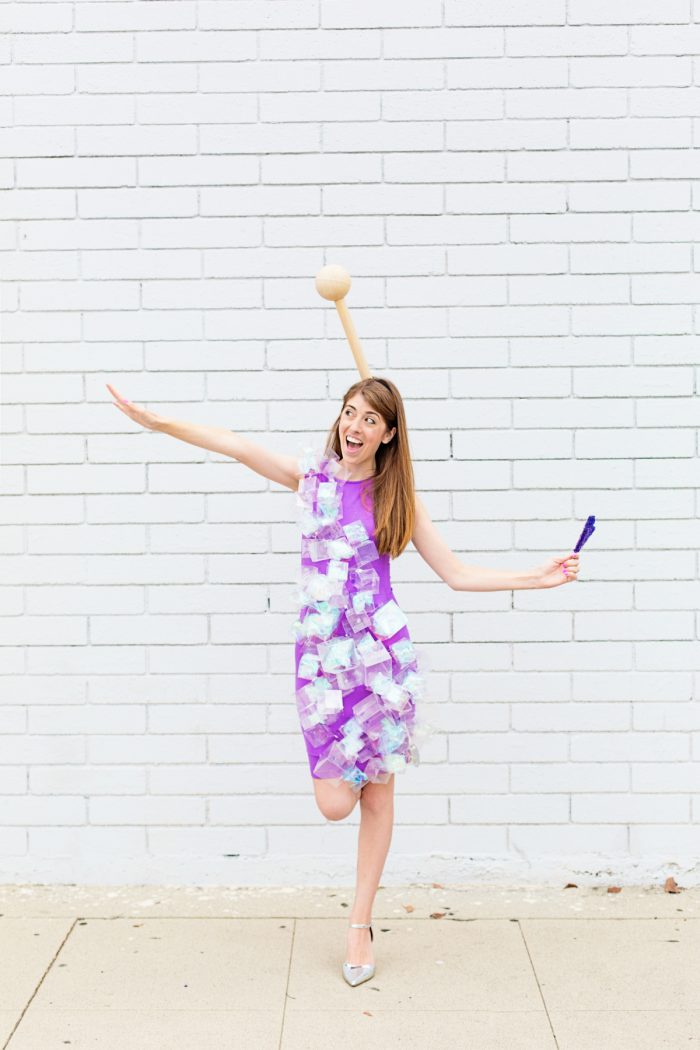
(462, 577)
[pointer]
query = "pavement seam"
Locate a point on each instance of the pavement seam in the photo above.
(537, 982)
(45, 974)
(286, 987)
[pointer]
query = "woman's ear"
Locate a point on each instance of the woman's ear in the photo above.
(388, 437)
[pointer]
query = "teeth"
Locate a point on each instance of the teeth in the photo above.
(351, 441)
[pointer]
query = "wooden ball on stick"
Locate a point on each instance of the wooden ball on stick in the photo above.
(333, 283)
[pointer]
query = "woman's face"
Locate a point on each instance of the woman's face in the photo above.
(362, 430)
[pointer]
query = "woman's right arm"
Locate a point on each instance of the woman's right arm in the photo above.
(272, 465)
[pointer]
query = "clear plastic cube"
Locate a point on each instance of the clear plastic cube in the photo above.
(388, 620)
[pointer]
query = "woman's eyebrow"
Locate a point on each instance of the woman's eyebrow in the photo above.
(369, 412)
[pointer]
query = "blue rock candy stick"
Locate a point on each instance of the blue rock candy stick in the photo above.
(588, 530)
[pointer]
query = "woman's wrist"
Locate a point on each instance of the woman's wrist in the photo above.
(531, 580)
(478, 578)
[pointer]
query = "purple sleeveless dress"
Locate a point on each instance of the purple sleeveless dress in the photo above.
(357, 675)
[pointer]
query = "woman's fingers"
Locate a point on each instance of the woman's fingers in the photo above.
(114, 392)
(135, 412)
(570, 566)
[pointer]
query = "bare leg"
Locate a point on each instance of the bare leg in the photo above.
(336, 800)
(376, 827)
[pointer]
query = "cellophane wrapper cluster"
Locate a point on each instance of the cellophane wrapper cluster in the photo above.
(361, 683)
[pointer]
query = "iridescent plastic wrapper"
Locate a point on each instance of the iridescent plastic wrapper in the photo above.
(360, 683)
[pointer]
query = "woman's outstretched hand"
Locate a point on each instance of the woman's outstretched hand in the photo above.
(558, 570)
(139, 415)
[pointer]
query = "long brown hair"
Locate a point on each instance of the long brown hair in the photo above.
(393, 488)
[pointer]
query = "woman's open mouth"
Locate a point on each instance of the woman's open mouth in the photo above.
(352, 446)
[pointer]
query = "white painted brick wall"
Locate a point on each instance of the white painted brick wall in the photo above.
(514, 188)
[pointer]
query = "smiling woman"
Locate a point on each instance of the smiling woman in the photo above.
(373, 415)
(357, 672)
(357, 675)
(359, 428)
(359, 680)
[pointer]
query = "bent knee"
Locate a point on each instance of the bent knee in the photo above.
(336, 810)
(335, 800)
(336, 814)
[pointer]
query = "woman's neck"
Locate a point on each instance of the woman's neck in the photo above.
(349, 477)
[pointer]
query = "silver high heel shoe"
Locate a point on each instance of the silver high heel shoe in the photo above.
(357, 974)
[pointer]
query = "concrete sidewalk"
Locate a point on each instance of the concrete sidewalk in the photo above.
(213, 968)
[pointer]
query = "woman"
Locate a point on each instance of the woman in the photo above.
(357, 682)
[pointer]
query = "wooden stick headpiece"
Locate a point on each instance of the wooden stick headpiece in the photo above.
(333, 283)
